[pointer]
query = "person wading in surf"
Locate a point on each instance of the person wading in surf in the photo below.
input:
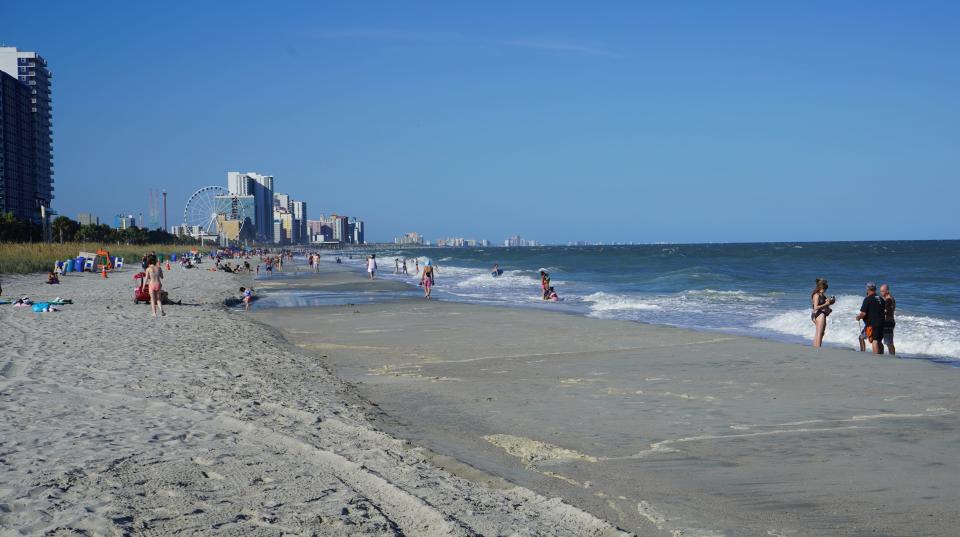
(427, 279)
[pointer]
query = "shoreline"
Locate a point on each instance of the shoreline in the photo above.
(426, 384)
(769, 335)
(209, 422)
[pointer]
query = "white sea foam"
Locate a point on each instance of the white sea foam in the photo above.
(606, 302)
(727, 295)
(914, 335)
(509, 278)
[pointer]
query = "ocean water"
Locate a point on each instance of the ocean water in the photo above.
(758, 290)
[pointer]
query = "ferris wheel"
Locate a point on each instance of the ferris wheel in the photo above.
(204, 206)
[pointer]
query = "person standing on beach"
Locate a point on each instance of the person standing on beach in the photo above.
(396, 265)
(872, 313)
(889, 323)
(154, 280)
(405, 266)
(427, 280)
(821, 309)
(372, 265)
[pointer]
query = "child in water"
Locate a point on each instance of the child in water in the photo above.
(551, 295)
(247, 295)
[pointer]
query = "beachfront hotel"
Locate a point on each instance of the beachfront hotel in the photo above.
(26, 134)
(261, 188)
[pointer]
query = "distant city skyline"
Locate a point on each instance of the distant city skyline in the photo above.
(616, 123)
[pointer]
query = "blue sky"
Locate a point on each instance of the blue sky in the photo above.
(616, 121)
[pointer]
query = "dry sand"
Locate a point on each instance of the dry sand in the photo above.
(208, 423)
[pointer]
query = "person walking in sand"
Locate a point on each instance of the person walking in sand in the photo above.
(821, 309)
(427, 279)
(372, 265)
(872, 313)
(889, 323)
(154, 280)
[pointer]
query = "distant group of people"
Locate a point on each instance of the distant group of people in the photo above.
(877, 312)
(400, 266)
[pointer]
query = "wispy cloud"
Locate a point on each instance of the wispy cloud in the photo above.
(559, 46)
(394, 34)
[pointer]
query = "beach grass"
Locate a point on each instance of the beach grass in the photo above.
(26, 258)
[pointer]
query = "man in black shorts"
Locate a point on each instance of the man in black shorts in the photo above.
(872, 313)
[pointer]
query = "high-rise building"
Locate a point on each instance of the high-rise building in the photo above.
(517, 241)
(261, 188)
(284, 230)
(314, 227)
(88, 219)
(278, 231)
(357, 231)
(341, 229)
(18, 148)
(413, 238)
(239, 209)
(299, 211)
(121, 221)
(281, 200)
(30, 157)
(30, 69)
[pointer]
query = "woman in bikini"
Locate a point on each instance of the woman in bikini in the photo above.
(154, 281)
(821, 309)
(427, 279)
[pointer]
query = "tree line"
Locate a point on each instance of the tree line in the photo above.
(64, 229)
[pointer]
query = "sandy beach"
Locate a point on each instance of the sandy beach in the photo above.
(659, 431)
(206, 422)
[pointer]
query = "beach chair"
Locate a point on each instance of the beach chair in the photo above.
(118, 263)
(88, 264)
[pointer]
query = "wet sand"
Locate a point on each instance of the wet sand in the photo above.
(657, 430)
